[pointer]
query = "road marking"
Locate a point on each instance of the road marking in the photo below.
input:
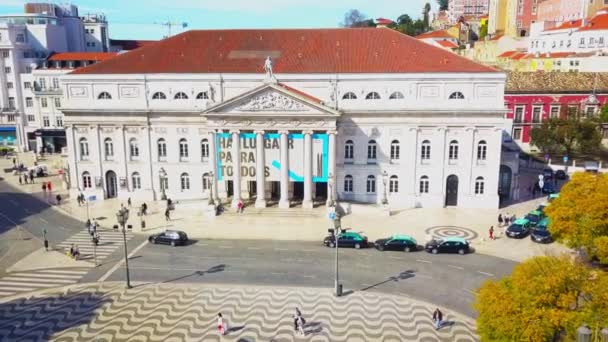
(14, 202)
(425, 261)
(456, 267)
(118, 264)
(278, 273)
(253, 248)
(471, 291)
(308, 250)
(44, 221)
(281, 249)
(226, 247)
(309, 276)
(394, 257)
(485, 273)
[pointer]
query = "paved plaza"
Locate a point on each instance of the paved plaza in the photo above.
(184, 312)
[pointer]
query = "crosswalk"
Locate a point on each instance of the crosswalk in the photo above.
(109, 241)
(33, 280)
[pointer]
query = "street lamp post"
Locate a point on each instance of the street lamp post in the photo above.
(330, 195)
(122, 216)
(162, 173)
(337, 227)
(384, 181)
(212, 181)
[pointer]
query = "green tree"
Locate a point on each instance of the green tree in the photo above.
(567, 134)
(544, 299)
(354, 18)
(545, 137)
(483, 30)
(425, 15)
(589, 138)
(443, 4)
(604, 114)
(580, 215)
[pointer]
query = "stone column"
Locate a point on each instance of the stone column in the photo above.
(213, 162)
(260, 182)
(331, 190)
(307, 200)
(236, 165)
(284, 200)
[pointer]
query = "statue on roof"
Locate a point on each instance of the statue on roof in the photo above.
(268, 69)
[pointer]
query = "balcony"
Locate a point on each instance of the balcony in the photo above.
(37, 89)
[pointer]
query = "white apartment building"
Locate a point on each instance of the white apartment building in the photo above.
(287, 117)
(26, 40)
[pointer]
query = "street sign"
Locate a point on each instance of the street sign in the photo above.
(541, 177)
(565, 159)
(92, 198)
(332, 215)
(541, 183)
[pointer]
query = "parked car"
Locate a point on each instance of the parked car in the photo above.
(548, 188)
(534, 217)
(347, 239)
(541, 207)
(561, 174)
(169, 237)
(448, 245)
(548, 173)
(541, 233)
(519, 228)
(397, 242)
(39, 170)
(552, 197)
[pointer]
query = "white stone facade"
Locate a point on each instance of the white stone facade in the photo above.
(459, 116)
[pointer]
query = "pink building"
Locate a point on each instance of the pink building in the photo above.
(460, 8)
(561, 10)
(532, 98)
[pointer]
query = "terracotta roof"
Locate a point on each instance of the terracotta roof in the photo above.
(352, 50)
(435, 34)
(447, 44)
(567, 25)
(555, 82)
(518, 55)
(507, 54)
(598, 22)
(81, 56)
(301, 93)
(130, 44)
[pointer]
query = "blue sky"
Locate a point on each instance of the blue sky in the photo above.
(134, 19)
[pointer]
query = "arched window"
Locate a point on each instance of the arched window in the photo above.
(393, 184)
(133, 148)
(348, 183)
(205, 149)
(180, 96)
(136, 180)
(86, 180)
(206, 181)
(453, 152)
(104, 95)
(203, 95)
(395, 150)
(371, 184)
(482, 149)
(349, 96)
(479, 186)
(159, 96)
(396, 96)
(183, 148)
(84, 149)
(349, 150)
(108, 148)
(162, 149)
(185, 181)
(456, 96)
(424, 185)
(425, 150)
(371, 151)
(372, 96)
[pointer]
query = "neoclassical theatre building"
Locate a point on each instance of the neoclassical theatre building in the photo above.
(288, 117)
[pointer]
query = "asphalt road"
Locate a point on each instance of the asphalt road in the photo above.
(446, 280)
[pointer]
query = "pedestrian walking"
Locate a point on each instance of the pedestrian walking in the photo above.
(25, 178)
(221, 324)
(129, 202)
(49, 187)
(168, 214)
(96, 239)
(14, 163)
(239, 206)
(95, 226)
(44, 187)
(32, 176)
(491, 231)
(20, 180)
(88, 225)
(46, 245)
(507, 218)
(513, 218)
(437, 318)
(144, 209)
(58, 198)
(500, 220)
(298, 322)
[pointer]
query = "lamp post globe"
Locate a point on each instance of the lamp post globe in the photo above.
(122, 216)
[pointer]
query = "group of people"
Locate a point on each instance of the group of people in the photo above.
(23, 178)
(80, 199)
(298, 323)
(47, 186)
(506, 219)
(74, 252)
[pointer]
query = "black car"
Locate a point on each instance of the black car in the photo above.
(346, 239)
(541, 235)
(448, 245)
(518, 229)
(548, 188)
(169, 237)
(548, 173)
(398, 242)
(561, 174)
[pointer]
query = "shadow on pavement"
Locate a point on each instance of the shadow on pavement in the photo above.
(214, 269)
(401, 276)
(39, 318)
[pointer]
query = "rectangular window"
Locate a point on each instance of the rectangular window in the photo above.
(555, 112)
(9, 85)
(11, 103)
(20, 38)
(59, 121)
(348, 152)
(27, 85)
(164, 182)
(572, 111)
(57, 102)
(28, 69)
(6, 54)
(7, 70)
(42, 82)
(371, 152)
(516, 133)
(43, 102)
(31, 118)
(348, 184)
(55, 83)
(11, 118)
(590, 111)
(536, 114)
(29, 102)
(46, 122)
(519, 114)
(92, 31)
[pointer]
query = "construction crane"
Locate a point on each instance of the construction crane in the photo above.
(169, 25)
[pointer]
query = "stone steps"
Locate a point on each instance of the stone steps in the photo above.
(276, 212)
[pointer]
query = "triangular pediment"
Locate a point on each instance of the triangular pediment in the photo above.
(272, 100)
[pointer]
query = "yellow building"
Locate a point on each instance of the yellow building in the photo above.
(497, 14)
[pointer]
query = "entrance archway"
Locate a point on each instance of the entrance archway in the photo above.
(111, 185)
(451, 191)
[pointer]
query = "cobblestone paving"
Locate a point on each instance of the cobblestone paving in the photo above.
(186, 312)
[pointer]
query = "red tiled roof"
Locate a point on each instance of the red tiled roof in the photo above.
(435, 34)
(82, 56)
(567, 25)
(352, 50)
(447, 44)
(301, 93)
(598, 22)
(384, 21)
(507, 54)
(519, 55)
(130, 44)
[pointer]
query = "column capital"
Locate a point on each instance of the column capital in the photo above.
(259, 131)
(233, 131)
(308, 131)
(284, 131)
(332, 132)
